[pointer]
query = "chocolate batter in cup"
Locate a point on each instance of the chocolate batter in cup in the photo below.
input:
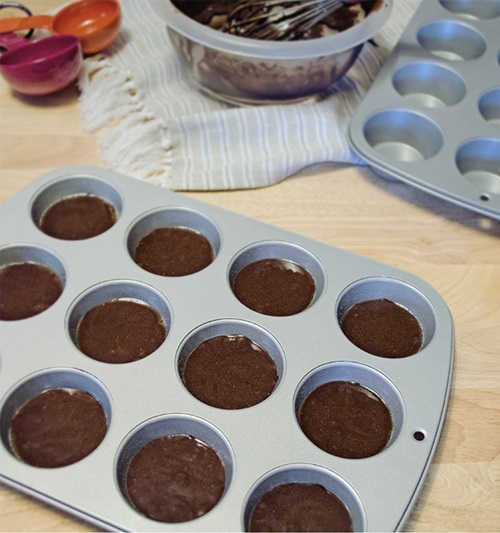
(57, 428)
(27, 289)
(275, 287)
(120, 331)
(230, 372)
(175, 479)
(174, 251)
(300, 507)
(78, 217)
(383, 328)
(346, 419)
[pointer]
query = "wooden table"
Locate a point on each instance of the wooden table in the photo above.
(455, 250)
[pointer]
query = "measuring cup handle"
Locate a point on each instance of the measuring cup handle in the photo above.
(17, 5)
(10, 41)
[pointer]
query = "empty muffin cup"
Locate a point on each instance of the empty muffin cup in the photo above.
(489, 106)
(302, 497)
(76, 208)
(276, 278)
(476, 9)
(478, 160)
(429, 84)
(403, 135)
(349, 410)
(230, 364)
(174, 242)
(119, 322)
(32, 279)
(451, 40)
(174, 468)
(55, 418)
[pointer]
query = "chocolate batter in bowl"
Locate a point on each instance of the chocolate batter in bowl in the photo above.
(249, 71)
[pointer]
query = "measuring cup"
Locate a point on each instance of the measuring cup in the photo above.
(96, 22)
(40, 67)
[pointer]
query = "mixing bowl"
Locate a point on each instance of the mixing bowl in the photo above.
(250, 71)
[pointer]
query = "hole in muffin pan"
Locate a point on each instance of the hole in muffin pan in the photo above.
(152, 306)
(66, 380)
(254, 375)
(396, 291)
(92, 207)
(451, 40)
(276, 278)
(429, 84)
(476, 9)
(166, 426)
(478, 161)
(176, 241)
(20, 266)
(489, 106)
(306, 474)
(350, 383)
(419, 435)
(403, 135)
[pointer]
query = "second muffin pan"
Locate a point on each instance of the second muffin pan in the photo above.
(432, 116)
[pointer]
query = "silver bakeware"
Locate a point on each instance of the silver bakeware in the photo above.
(260, 446)
(432, 116)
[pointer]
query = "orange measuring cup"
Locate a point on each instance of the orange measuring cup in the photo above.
(96, 22)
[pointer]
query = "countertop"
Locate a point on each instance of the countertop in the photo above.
(453, 249)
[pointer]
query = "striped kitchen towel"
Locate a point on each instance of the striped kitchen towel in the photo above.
(158, 127)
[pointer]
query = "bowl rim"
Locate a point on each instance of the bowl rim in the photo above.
(358, 34)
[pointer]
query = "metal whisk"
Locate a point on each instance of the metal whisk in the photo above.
(279, 20)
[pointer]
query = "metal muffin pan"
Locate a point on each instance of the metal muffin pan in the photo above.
(432, 115)
(260, 446)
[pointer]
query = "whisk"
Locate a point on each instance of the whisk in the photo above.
(279, 20)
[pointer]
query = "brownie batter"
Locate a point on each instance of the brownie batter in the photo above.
(346, 419)
(78, 217)
(275, 287)
(175, 479)
(214, 13)
(300, 507)
(27, 289)
(120, 331)
(383, 328)
(174, 251)
(230, 372)
(57, 428)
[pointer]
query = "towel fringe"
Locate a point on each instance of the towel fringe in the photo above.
(135, 143)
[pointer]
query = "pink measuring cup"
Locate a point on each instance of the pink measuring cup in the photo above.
(40, 67)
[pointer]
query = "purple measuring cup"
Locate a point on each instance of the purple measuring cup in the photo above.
(39, 67)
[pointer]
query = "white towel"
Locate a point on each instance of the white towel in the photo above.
(160, 128)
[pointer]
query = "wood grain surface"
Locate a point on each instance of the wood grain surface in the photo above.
(455, 250)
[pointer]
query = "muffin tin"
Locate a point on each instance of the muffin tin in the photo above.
(432, 116)
(260, 446)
